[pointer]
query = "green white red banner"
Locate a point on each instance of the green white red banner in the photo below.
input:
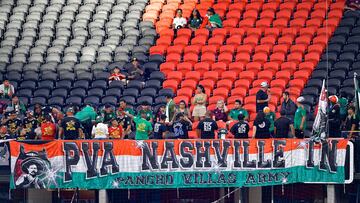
(110, 164)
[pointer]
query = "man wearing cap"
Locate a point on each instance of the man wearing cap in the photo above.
(300, 118)
(70, 127)
(29, 125)
(262, 97)
(240, 129)
(136, 71)
(334, 117)
(13, 124)
(146, 109)
(283, 126)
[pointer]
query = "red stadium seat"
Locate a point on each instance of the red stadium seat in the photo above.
(193, 75)
(250, 75)
(217, 41)
(202, 67)
(188, 92)
(242, 57)
(208, 57)
(188, 83)
(192, 49)
(254, 66)
(211, 75)
(182, 40)
(219, 67)
(175, 75)
(230, 75)
(175, 58)
(243, 83)
(228, 49)
(221, 91)
(245, 48)
(191, 58)
(234, 40)
(177, 49)
(224, 84)
(199, 40)
(209, 84)
(202, 32)
(172, 84)
(236, 66)
(266, 74)
(239, 91)
(184, 67)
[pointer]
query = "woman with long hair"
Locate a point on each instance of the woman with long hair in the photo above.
(195, 20)
(199, 102)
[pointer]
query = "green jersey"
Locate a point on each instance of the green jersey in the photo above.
(108, 116)
(271, 117)
(149, 114)
(299, 115)
(129, 111)
(143, 128)
(86, 114)
(343, 106)
(234, 113)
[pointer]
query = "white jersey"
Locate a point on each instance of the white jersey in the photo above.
(100, 131)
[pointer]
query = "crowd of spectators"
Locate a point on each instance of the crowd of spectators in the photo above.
(170, 121)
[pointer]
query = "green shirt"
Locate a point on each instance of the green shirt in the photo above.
(299, 114)
(143, 128)
(343, 106)
(129, 111)
(149, 114)
(86, 114)
(271, 117)
(108, 116)
(234, 113)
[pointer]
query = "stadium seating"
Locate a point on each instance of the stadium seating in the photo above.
(337, 64)
(71, 46)
(278, 42)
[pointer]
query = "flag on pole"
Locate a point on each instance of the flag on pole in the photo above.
(357, 94)
(319, 127)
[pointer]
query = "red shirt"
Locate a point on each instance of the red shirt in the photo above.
(115, 132)
(48, 131)
(117, 76)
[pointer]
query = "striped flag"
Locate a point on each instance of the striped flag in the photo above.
(319, 127)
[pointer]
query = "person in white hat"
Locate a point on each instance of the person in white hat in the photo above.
(300, 118)
(262, 97)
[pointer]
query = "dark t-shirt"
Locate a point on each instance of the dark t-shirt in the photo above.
(124, 122)
(262, 128)
(12, 125)
(350, 121)
(180, 129)
(159, 128)
(261, 95)
(30, 125)
(207, 128)
(71, 126)
(240, 130)
(282, 126)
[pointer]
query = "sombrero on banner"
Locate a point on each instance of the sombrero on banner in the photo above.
(41, 164)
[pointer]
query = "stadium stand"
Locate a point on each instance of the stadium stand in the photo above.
(70, 46)
(278, 42)
(337, 64)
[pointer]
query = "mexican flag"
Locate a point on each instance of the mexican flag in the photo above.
(319, 127)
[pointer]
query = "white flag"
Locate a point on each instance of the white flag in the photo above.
(319, 127)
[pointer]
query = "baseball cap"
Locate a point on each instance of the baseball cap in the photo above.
(70, 109)
(300, 99)
(264, 84)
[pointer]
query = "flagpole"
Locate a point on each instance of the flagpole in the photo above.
(356, 95)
